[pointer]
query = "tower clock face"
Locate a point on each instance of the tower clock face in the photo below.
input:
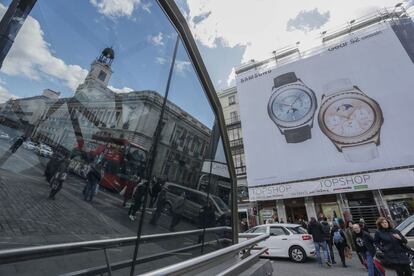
(102, 76)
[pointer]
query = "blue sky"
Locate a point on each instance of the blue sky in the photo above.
(59, 40)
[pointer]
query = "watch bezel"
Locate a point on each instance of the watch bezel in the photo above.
(350, 94)
(306, 118)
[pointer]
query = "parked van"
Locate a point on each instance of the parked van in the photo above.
(195, 200)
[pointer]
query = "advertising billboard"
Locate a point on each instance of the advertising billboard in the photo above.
(345, 110)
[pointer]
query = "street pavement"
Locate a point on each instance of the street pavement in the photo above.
(29, 218)
(284, 267)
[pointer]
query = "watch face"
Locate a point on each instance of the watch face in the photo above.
(349, 117)
(291, 105)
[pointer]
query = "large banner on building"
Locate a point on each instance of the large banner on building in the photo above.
(347, 109)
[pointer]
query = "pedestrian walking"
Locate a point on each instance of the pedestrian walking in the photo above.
(51, 166)
(327, 236)
(155, 188)
(348, 235)
(128, 191)
(162, 197)
(206, 218)
(137, 197)
(93, 177)
(315, 229)
(363, 225)
(339, 240)
(393, 245)
(364, 245)
(56, 182)
(177, 209)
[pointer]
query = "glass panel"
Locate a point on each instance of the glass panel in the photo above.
(90, 148)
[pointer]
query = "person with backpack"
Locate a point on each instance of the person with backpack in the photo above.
(315, 229)
(327, 236)
(364, 245)
(393, 245)
(339, 240)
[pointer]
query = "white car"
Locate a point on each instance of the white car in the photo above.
(4, 136)
(29, 145)
(45, 150)
(286, 240)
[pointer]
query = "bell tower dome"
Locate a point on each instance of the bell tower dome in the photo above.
(101, 67)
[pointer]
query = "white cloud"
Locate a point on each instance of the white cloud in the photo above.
(121, 90)
(147, 7)
(260, 26)
(182, 66)
(156, 40)
(32, 57)
(5, 95)
(160, 60)
(116, 8)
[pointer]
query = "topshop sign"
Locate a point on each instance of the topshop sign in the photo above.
(342, 184)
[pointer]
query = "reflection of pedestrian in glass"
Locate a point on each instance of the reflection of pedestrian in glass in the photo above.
(137, 198)
(123, 179)
(93, 177)
(51, 166)
(17, 143)
(206, 218)
(160, 206)
(177, 209)
(129, 190)
(56, 182)
(155, 188)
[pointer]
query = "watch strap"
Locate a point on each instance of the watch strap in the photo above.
(337, 86)
(285, 79)
(360, 153)
(298, 135)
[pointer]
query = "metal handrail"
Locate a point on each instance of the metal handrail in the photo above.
(44, 251)
(233, 270)
(186, 266)
(127, 263)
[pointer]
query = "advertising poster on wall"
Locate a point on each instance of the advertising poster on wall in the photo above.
(345, 110)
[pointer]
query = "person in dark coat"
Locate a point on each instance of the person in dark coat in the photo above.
(338, 238)
(364, 245)
(93, 177)
(392, 244)
(129, 190)
(137, 197)
(206, 218)
(177, 209)
(51, 166)
(162, 198)
(315, 229)
(155, 188)
(363, 225)
(327, 236)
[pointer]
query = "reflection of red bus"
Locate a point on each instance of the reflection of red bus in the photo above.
(118, 159)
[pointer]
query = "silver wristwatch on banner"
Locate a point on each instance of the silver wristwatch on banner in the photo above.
(292, 107)
(351, 120)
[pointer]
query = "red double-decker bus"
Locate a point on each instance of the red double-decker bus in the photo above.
(119, 161)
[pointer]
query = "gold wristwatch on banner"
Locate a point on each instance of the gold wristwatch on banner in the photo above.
(292, 107)
(351, 120)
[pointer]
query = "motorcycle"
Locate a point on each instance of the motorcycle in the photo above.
(56, 183)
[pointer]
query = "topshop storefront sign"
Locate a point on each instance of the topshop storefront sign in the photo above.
(340, 184)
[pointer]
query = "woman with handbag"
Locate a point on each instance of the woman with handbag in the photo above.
(393, 245)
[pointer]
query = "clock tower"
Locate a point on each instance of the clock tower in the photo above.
(101, 68)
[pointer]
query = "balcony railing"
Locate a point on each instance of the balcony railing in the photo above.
(236, 143)
(233, 120)
(240, 170)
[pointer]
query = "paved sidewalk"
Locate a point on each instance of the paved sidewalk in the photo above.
(27, 217)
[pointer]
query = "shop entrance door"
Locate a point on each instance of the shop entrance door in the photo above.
(295, 210)
(362, 205)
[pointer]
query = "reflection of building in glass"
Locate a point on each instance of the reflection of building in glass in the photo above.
(96, 114)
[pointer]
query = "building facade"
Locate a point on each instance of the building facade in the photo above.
(396, 203)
